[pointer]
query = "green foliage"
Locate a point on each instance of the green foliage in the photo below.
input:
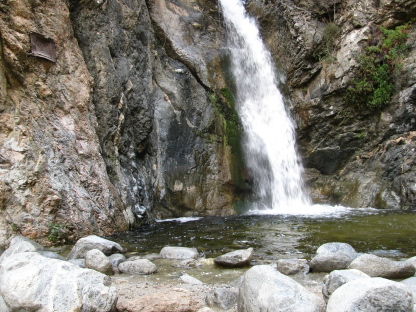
(329, 37)
(57, 232)
(373, 85)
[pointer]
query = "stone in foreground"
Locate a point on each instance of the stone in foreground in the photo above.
(139, 266)
(371, 295)
(337, 278)
(93, 242)
(20, 244)
(224, 298)
(265, 289)
(235, 259)
(382, 267)
(31, 282)
(179, 253)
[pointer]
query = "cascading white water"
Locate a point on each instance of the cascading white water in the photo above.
(269, 137)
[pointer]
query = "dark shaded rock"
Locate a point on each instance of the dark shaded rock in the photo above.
(235, 259)
(371, 295)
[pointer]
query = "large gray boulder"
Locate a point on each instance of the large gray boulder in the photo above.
(236, 258)
(371, 295)
(31, 282)
(20, 244)
(93, 242)
(382, 267)
(337, 278)
(224, 298)
(139, 266)
(98, 261)
(179, 253)
(332, 256)
(265, 289)
(410, 283)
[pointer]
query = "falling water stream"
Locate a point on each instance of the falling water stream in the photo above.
(269, 135)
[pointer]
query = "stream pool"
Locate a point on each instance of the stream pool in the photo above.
(385, 233)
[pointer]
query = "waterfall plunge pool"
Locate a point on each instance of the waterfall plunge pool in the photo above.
(388, 233)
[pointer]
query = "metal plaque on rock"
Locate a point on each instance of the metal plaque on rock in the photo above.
(42, 47)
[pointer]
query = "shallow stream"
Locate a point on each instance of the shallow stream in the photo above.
(386, 233)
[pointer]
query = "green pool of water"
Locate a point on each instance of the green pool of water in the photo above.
(387, 233)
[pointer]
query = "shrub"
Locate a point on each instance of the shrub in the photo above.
(373, 85)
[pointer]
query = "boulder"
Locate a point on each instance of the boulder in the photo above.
(329, 262)
(410, 283)
(115, 260)
(376, 266)
(236, 258)
(332, 256)
(371, 295)
(20, 244)
(3, 306)
(98, 261)
(179, 253)
(31, 282)
(292, 266)
(265, 289)
(337, 278)
(93, 242)
(139, 266)
(224, 298)
(190, 280)
(412, 261)
(337, 248)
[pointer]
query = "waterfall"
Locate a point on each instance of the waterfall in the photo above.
(269, 134)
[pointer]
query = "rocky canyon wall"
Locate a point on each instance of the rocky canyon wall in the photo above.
(355, 156)
(135, 117)
(133, 120)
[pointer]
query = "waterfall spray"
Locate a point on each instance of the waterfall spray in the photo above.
(269, 136)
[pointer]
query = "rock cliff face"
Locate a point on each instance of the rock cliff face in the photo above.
(354, 156)
(135, 118)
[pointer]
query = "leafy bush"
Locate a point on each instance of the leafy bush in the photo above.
(373, 85)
